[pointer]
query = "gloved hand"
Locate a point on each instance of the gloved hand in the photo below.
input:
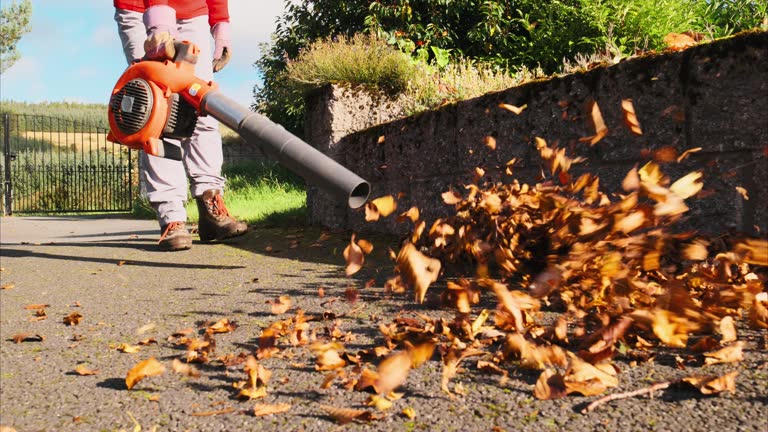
(222, 37)
(161, 30)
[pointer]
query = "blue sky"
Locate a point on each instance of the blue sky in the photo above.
(73, 52)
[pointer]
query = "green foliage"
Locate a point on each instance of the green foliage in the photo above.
(14, 23)
(358, 60)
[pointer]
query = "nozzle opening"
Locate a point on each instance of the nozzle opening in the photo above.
(359, 195)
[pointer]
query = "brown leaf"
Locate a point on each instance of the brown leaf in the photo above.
(412, 214)
(688, 185)
(451, 197)
(684, 155)
(727, 330)
(730, 354)
(130, 349)
(346, 415)
(630, 117)
(24, 337)
(420, 353)
(353, 254)
(145, 368)
(512, 108)
(754, 251)
(185, 369)
(393, 371)
(678, 41)
(223, 325)
(83, 370)
(365, 246)
(742, 192)
(8, 286)
(280, 305)
(589, 380)
(696, 250)
(73, 319)
(36, 306)
(266, 409)
(490, 142)
(380, 207)
(417, 269)
(328, 357)
(758, 313)
(550, 385)
(713, 384)
(631, 181)
(598, 124)
(665, 154)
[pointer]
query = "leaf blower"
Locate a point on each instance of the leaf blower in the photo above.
(153, 100)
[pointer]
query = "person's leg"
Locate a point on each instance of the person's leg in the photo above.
(203, 155)
(164, 179)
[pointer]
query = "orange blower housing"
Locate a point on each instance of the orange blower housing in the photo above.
(158, 99)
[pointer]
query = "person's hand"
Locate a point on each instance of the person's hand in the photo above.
(161, 28)
(222, 37)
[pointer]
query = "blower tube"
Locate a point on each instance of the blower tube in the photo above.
(289, 150)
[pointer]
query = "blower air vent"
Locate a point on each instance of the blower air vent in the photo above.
(132, 105)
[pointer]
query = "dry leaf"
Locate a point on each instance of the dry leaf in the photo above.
(412, 214)
(687, 186)
(393, 371)
(730, 354)
(727, 330)
(224, 325)
(354, 257)
(758, 313)
(742, 192)
(73, 319)
(365, 246)
(266, 409)
(280, 305)
(83, 370)
(490, 142)
(678, 41)
(380, 207)
(684, 155)
(713, 384)
(409, 412)
(346, 415)
(512, 108)
(8, 286)
(145, 368)
(36, 306)
(550, 385)
(451, 197)
(23, 337)
(417, 269)
(185, 369)
(598, 124)
(420, 353)
(130, 349)
(630, 117)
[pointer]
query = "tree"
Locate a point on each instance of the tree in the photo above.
(14, 23)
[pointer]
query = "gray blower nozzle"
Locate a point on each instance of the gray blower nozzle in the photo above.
(281, 145)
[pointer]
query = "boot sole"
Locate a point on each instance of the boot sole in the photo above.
(226, 237)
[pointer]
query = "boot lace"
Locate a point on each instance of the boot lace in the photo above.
(170, 228)
(218, 208)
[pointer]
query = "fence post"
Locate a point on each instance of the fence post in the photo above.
(7, 185)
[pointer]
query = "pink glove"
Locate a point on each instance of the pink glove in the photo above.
(161, 30)
(222, 36)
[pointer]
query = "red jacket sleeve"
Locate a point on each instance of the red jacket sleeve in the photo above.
(218, 11)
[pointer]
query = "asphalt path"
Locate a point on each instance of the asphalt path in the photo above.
(110, 271)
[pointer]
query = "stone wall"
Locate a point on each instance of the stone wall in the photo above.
(713, 96)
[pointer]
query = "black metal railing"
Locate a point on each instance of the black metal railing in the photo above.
(54, 165)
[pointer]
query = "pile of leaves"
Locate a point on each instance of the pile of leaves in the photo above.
(580, 277)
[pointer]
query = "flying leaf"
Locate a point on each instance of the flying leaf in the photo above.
(185, 369)
(758, 313)
(598, 124)
(420, 353)
(393, 371)
(127, 348)
(365, 246)
(727, 330)
(742, 192)
(630, 117)
(418, 270)
(412, 214)
(451, 198)
(260, 409)
(36, 306)
(8, 286)
(684, 155)
(380, 207)
(587, 379)
(23, 337)
(145, 368)
(353, 254)
(696, 251)
(490, 142)
(687, 186)
(512, 108)
(280, 305)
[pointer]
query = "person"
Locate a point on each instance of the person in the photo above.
(148, 28)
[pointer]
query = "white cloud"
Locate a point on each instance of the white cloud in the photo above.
(26, 83)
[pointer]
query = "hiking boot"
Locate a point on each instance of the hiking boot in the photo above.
(175, 237)
(215, 221)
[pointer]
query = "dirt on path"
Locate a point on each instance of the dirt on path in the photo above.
(109, 271)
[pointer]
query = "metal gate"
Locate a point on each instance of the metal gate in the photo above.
(53, 165)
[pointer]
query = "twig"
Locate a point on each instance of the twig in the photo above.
(626, 395)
